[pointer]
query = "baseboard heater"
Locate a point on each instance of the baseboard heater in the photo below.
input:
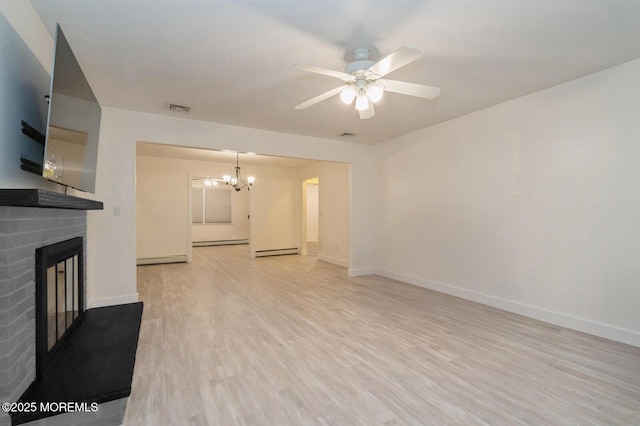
(218, 243)
(277, 252)
(158, 260)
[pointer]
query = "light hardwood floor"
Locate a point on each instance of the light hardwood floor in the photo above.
(292, 340)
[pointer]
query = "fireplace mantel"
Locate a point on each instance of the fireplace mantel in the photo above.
(46, 199)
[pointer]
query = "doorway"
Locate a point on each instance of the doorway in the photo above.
(311, 217)
(217, 215)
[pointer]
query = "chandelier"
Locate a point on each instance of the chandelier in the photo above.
(236, 181)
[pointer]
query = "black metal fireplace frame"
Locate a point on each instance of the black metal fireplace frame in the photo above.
(47, 257)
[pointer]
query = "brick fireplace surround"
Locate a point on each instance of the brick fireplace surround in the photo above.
(29, 219)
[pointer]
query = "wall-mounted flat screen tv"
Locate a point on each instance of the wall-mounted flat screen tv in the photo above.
(73, 125)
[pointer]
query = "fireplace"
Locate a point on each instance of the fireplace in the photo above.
(59, 297)
(52, 351)
(31, 219)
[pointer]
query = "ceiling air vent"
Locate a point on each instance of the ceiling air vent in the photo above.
(179, 108)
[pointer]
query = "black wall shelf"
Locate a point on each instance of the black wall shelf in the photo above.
(30, 165)
(32, 133)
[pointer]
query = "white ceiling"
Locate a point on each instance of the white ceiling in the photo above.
(232, 60)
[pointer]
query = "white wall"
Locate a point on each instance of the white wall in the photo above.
(276, 206)
(112, 238)
(162, 216)
(162, 222)
(24, 82)
(335, 218)
(27, 24)
(162, 213)
(531, 205)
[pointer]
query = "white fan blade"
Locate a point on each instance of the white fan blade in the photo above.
(411, 89)
(395, 60)
(325, 71)
(320, 98)
(367, 113)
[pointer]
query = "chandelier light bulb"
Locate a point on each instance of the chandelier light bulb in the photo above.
(348, 95)
(362, 102)
(374, 92)
(251, 179)
(226, 178)
(234, 181)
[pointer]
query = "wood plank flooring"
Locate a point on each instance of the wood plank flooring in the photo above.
(291, 340)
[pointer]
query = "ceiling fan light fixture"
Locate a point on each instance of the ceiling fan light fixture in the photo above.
(348, 95)
(364, 82)
(362, 101)
(374, 92)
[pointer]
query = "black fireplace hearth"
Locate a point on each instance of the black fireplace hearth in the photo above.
(93, 370)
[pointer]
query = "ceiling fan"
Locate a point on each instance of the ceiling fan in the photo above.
(364, 83)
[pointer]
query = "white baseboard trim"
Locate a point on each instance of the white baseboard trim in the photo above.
(599, 329)
(333, 260)
(110, 301)
(359, 272)
(159, 260)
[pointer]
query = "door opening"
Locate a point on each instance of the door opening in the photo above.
(217, 215)
(311, 219)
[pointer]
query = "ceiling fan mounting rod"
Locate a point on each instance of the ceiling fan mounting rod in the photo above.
(361, 81)
(361, 61)
(361, 54)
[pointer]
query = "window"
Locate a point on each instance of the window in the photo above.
(211, 205)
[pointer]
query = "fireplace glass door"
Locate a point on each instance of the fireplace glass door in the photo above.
(62, 298)
(59, 296)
